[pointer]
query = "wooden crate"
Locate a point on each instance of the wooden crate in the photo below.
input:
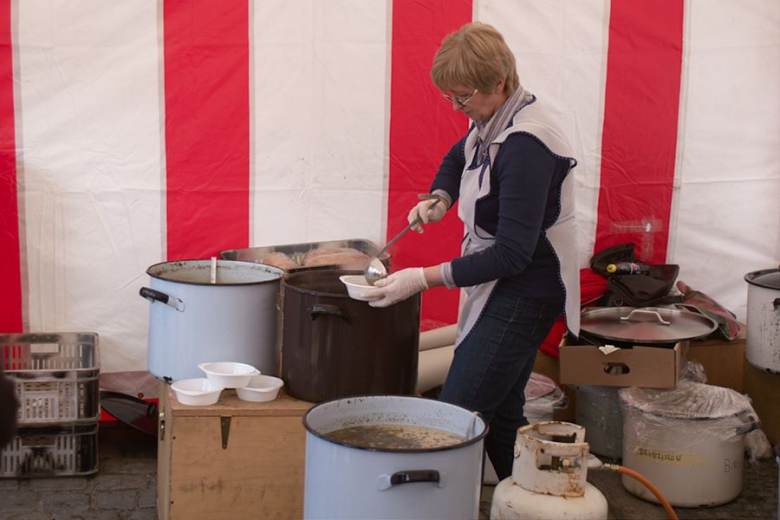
(722, 360)
(763, 388)
(233, 459)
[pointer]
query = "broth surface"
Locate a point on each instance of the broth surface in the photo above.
(395, 437)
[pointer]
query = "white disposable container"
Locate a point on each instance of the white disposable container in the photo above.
(689, 442)
(228, 374)
(357, 287)
(192, 320)
(197, 391)
(349, 482)
(260, 389)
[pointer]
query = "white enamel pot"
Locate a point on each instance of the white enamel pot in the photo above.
(692, 452)
(193, 321)
(763, 319)
(349, 482)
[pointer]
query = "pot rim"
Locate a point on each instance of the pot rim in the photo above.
(459, 445)
(297, 274)
(751, 278)
(271, 270)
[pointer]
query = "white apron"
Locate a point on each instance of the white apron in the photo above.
(535, 120)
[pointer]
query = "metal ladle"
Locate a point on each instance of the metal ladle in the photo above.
(376, 270)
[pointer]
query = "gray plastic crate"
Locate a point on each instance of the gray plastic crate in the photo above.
(51, 451)
(56, 376)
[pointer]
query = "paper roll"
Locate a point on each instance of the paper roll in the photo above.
(432, 367)
(438, 337)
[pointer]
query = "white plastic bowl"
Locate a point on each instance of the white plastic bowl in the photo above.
(357, 287)
(198, 391)
(226, 374)
(260, 389)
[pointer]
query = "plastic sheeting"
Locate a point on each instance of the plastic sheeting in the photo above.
(697, 409)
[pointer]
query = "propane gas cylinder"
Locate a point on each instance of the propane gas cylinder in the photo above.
(548, 478)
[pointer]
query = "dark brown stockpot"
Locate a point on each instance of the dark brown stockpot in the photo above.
(334, 346)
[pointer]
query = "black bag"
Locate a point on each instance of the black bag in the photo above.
(634, 290)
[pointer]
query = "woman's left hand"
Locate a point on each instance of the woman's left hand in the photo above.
(399, 286)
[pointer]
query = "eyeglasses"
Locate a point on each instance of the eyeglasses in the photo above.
(460, 101)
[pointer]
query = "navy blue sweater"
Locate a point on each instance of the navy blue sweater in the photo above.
(525, 188)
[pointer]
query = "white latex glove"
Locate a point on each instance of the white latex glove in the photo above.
(399, 286)
(427, 212)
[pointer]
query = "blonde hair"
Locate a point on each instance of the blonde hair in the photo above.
(477, 56)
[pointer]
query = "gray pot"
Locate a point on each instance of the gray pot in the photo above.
(598, 410)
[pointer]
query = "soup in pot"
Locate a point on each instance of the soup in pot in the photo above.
(395, 437)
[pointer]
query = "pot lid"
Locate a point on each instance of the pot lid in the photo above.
(769, 278)
(647, 325)
(539, 386)
(688, 401)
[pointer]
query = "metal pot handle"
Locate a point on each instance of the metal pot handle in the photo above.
(323, 308)
(654, 314)
(387, 481)
(157, 296)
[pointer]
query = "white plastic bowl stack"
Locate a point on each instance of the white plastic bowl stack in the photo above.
(357, 287)
(249, 384)
(260, 389)
(228, 374)
(198, 391)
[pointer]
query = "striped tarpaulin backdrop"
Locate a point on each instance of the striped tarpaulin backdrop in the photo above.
(10, 260)
(132, 133)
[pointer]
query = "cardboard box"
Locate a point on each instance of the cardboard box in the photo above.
(723, 361)
(648, 367)
(233, 459)
(763, 388)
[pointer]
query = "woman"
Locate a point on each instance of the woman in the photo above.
(511, 173)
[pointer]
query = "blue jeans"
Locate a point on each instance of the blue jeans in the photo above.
(493, 364)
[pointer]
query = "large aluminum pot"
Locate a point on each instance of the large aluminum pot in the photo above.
(598, 410)
(689, 442)
(334, 346)
(192, 320)
(348, 480)
(763, 319)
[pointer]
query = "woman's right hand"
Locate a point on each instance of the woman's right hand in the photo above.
(428, 210)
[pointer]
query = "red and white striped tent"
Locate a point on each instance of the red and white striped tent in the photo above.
(135, 132)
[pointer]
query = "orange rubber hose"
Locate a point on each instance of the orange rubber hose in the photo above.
(654, 490)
